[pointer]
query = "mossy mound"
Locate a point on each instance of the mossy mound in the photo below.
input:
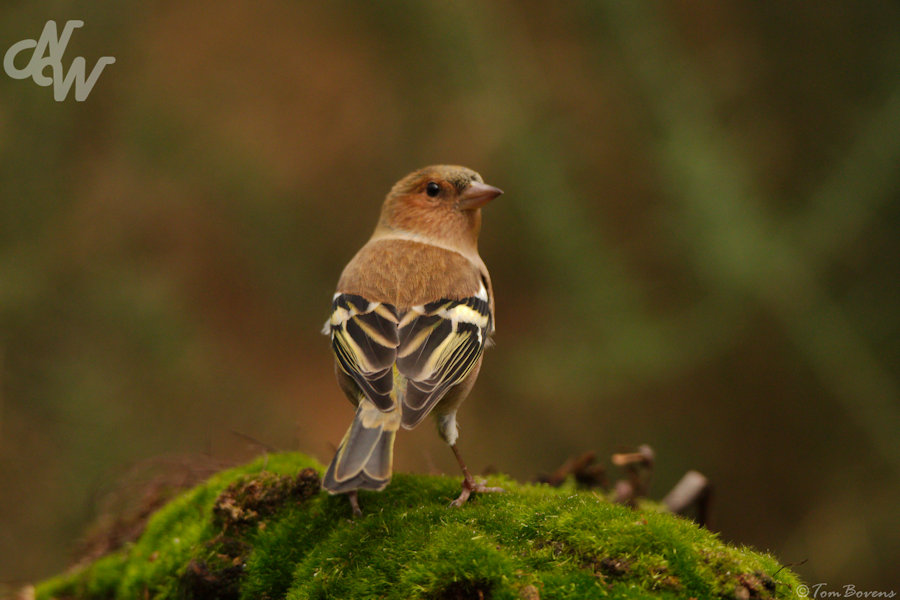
(265, 530)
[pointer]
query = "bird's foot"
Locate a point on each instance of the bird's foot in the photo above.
(469, 486)
(354, 503)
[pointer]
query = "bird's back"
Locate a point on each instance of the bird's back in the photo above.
(391, 271)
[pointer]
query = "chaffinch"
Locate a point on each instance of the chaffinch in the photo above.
(413, 312)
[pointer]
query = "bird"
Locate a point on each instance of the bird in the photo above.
(411, 316)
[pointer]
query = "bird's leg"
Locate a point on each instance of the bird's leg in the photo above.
(469, 484)
(353, 497)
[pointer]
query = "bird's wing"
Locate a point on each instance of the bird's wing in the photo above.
(423, 352)
(364, 337)
(439, 344)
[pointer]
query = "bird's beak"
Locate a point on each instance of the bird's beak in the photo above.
(477, 195)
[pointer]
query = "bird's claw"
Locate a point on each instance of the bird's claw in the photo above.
(473, 486)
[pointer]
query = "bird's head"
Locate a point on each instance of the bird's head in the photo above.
(440, 202)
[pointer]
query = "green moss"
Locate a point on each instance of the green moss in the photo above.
(265, 531)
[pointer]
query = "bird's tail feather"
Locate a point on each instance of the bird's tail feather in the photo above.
(364, 458)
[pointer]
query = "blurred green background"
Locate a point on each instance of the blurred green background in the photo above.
(697, 249)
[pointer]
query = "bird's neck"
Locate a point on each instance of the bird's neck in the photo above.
(468, 248)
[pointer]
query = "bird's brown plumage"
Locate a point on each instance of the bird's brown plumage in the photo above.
(399, 279)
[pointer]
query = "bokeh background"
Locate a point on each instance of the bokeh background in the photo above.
(697, 249)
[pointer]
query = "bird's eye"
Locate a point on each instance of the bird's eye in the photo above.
(432, 189)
